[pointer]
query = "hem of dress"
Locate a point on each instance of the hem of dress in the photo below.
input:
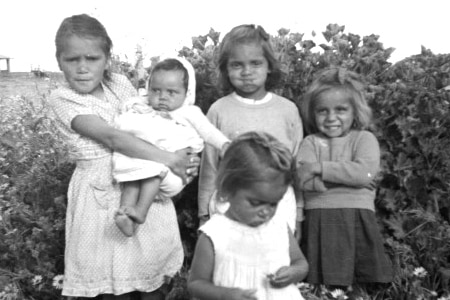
(117, 289)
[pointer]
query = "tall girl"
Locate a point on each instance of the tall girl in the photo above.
(338, 163)
(248, 70)
(249, 252)
(99, 259)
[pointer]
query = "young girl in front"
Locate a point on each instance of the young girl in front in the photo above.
(170, 121)
(248, 69)
(98, 258)
(338, 163)
(249, 252)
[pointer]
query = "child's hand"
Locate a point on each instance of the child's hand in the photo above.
(283, 277)
(240, 294)
(306, 172)
(185, 165)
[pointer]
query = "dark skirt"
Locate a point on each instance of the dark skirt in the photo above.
(344, 246)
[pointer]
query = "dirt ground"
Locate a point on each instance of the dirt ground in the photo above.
(27, 84)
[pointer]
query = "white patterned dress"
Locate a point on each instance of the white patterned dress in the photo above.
(99, 259)
(244, 255)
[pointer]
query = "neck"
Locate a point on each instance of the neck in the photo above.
(256, 97)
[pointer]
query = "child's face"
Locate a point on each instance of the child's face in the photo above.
(247, 70)
(83, 63)
(257, 204)
(334, 113)
(166, 90)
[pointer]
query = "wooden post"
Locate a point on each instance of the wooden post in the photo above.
(7, 65)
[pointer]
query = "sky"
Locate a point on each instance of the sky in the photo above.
(28, 27)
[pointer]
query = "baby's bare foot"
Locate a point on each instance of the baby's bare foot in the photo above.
(134, 215)
(124, 222)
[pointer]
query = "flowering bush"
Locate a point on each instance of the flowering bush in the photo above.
(412, 123)
(34, 174)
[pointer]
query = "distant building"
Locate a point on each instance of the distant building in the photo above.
(7, 59)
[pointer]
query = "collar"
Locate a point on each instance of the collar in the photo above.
(266, 99)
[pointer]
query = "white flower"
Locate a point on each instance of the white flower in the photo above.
(338, 294)
(58, 281)
(36, 280)
(420, 272)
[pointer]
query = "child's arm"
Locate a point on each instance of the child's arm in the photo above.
(298, 269)
(308, 168)
(208, 173)
(207, 131)
(200, 283)
(94, 127)
(300, 213)
(361, 170)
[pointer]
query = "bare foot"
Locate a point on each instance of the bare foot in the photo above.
(124, 222)
(134, 215)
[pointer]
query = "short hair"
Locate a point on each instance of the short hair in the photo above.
(336, 78)
(247, 34)
(247, 160)
(171, 64)
(83, 26)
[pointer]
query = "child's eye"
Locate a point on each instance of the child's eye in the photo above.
(257, 63)
(234, 65)
(93, 58)
(70, 59)
(321, 111)
(254, 202)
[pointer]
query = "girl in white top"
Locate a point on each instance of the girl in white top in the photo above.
(171, 122)
(249, 252)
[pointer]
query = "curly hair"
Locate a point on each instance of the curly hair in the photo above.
(336, 78)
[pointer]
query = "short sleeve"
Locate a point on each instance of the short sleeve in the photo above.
(66, 105)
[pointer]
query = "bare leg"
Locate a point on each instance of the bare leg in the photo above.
(116, 297)
(129, 197)
(155, 295)
(149, 188)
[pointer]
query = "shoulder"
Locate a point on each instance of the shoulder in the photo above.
(121, 84)
(64, 94)
(222, 107)
(190, 109)
(215, 221)
(285, 106)
(363, 136)
(284, 101)
(313, 139)
(119, 79)
(190, 112)
(222, 102)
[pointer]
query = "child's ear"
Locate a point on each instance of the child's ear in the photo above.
(108, 63)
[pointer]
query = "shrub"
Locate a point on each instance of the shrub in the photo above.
(410, 106)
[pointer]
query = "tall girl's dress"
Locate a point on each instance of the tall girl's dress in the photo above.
(244, 256)
(99, 259)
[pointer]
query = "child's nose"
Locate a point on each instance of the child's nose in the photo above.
(162, 95)
(331, 116)
(266, 211)
(246, 69)
(82, 66)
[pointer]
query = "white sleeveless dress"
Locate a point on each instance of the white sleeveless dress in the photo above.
(244, 255)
